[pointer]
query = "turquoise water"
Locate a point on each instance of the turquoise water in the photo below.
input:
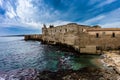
(16, 53)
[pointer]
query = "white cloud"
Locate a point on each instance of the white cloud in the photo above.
(34, 13)
(29, 13)
(56, 23)
(1, 2)
(26, 13)
(113, 25)
(111, 19)
(99, 4)
(92, 2)
(25, 10)
(23, 13)
(105, 2)
(95, 19)
(10, 12)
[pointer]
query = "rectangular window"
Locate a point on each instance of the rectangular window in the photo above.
(97, 35)
(65, 30)
(103, 33)
(113, 34)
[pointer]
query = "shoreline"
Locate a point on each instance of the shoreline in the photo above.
(112, 59)
(109, 71)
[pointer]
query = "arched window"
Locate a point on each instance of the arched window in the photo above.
(97, 35)
(113, 34)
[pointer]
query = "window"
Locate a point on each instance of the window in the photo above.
(82, 29)
(113, 34)
(65, 30)
(103, 33)
(97, 35)
(60, 30)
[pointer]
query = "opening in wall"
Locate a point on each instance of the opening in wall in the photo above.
(60, 30)
(103, 33)
(97, 35)
(113, 34)
(65, 30)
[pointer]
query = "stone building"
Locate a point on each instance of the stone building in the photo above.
(83, 38)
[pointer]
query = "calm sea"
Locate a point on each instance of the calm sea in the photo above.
(16, 53)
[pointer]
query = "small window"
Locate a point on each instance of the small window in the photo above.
(65, 30)
(103, 33)
(60, 30)
(113, 34)
(97, 35)
(82, 29)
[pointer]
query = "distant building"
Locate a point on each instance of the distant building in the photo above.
(83, 38)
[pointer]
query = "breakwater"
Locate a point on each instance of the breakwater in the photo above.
(31, 54)
(63, 46)
(82, 38)
(37, 37)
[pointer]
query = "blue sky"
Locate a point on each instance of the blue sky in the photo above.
(28, 16)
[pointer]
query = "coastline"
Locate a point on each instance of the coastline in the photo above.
(109, 71)
(112, 60)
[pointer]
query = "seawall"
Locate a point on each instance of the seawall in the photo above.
(82, 38)
(63, 46)
(36, 37)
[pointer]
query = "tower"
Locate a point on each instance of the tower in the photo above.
(44, 30)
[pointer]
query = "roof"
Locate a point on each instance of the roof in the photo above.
(104, 29)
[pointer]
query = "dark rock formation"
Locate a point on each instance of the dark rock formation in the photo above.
(87, 73)
(20, 74)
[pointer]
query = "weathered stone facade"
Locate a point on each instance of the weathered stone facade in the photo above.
(85, 39)
(33, 37)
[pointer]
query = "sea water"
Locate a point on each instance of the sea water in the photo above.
(15, 53)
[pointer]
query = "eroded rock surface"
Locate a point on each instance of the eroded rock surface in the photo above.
(20, 74)
(111, 71)
(112, 60)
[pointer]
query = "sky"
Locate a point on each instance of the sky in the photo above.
(28, 16)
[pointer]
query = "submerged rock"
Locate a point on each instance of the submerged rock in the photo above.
(20, 74)
(88, 73)
(110, 72)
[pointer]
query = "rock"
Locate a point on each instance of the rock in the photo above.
(111, 72)
(20, 74)
(101, 78)
(2, 75)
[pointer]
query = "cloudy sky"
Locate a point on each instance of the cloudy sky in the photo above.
(28, 16)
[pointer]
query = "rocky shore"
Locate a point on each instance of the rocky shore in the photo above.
(83, 74)
(112, 60)
(109, 71)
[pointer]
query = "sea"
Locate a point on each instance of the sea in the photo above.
(16, 53)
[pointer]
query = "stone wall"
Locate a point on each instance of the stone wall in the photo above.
(70, 34)
(33, 37)
(105, 37)
(85, 39)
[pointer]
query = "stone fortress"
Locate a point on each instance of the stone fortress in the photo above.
(83, 38)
